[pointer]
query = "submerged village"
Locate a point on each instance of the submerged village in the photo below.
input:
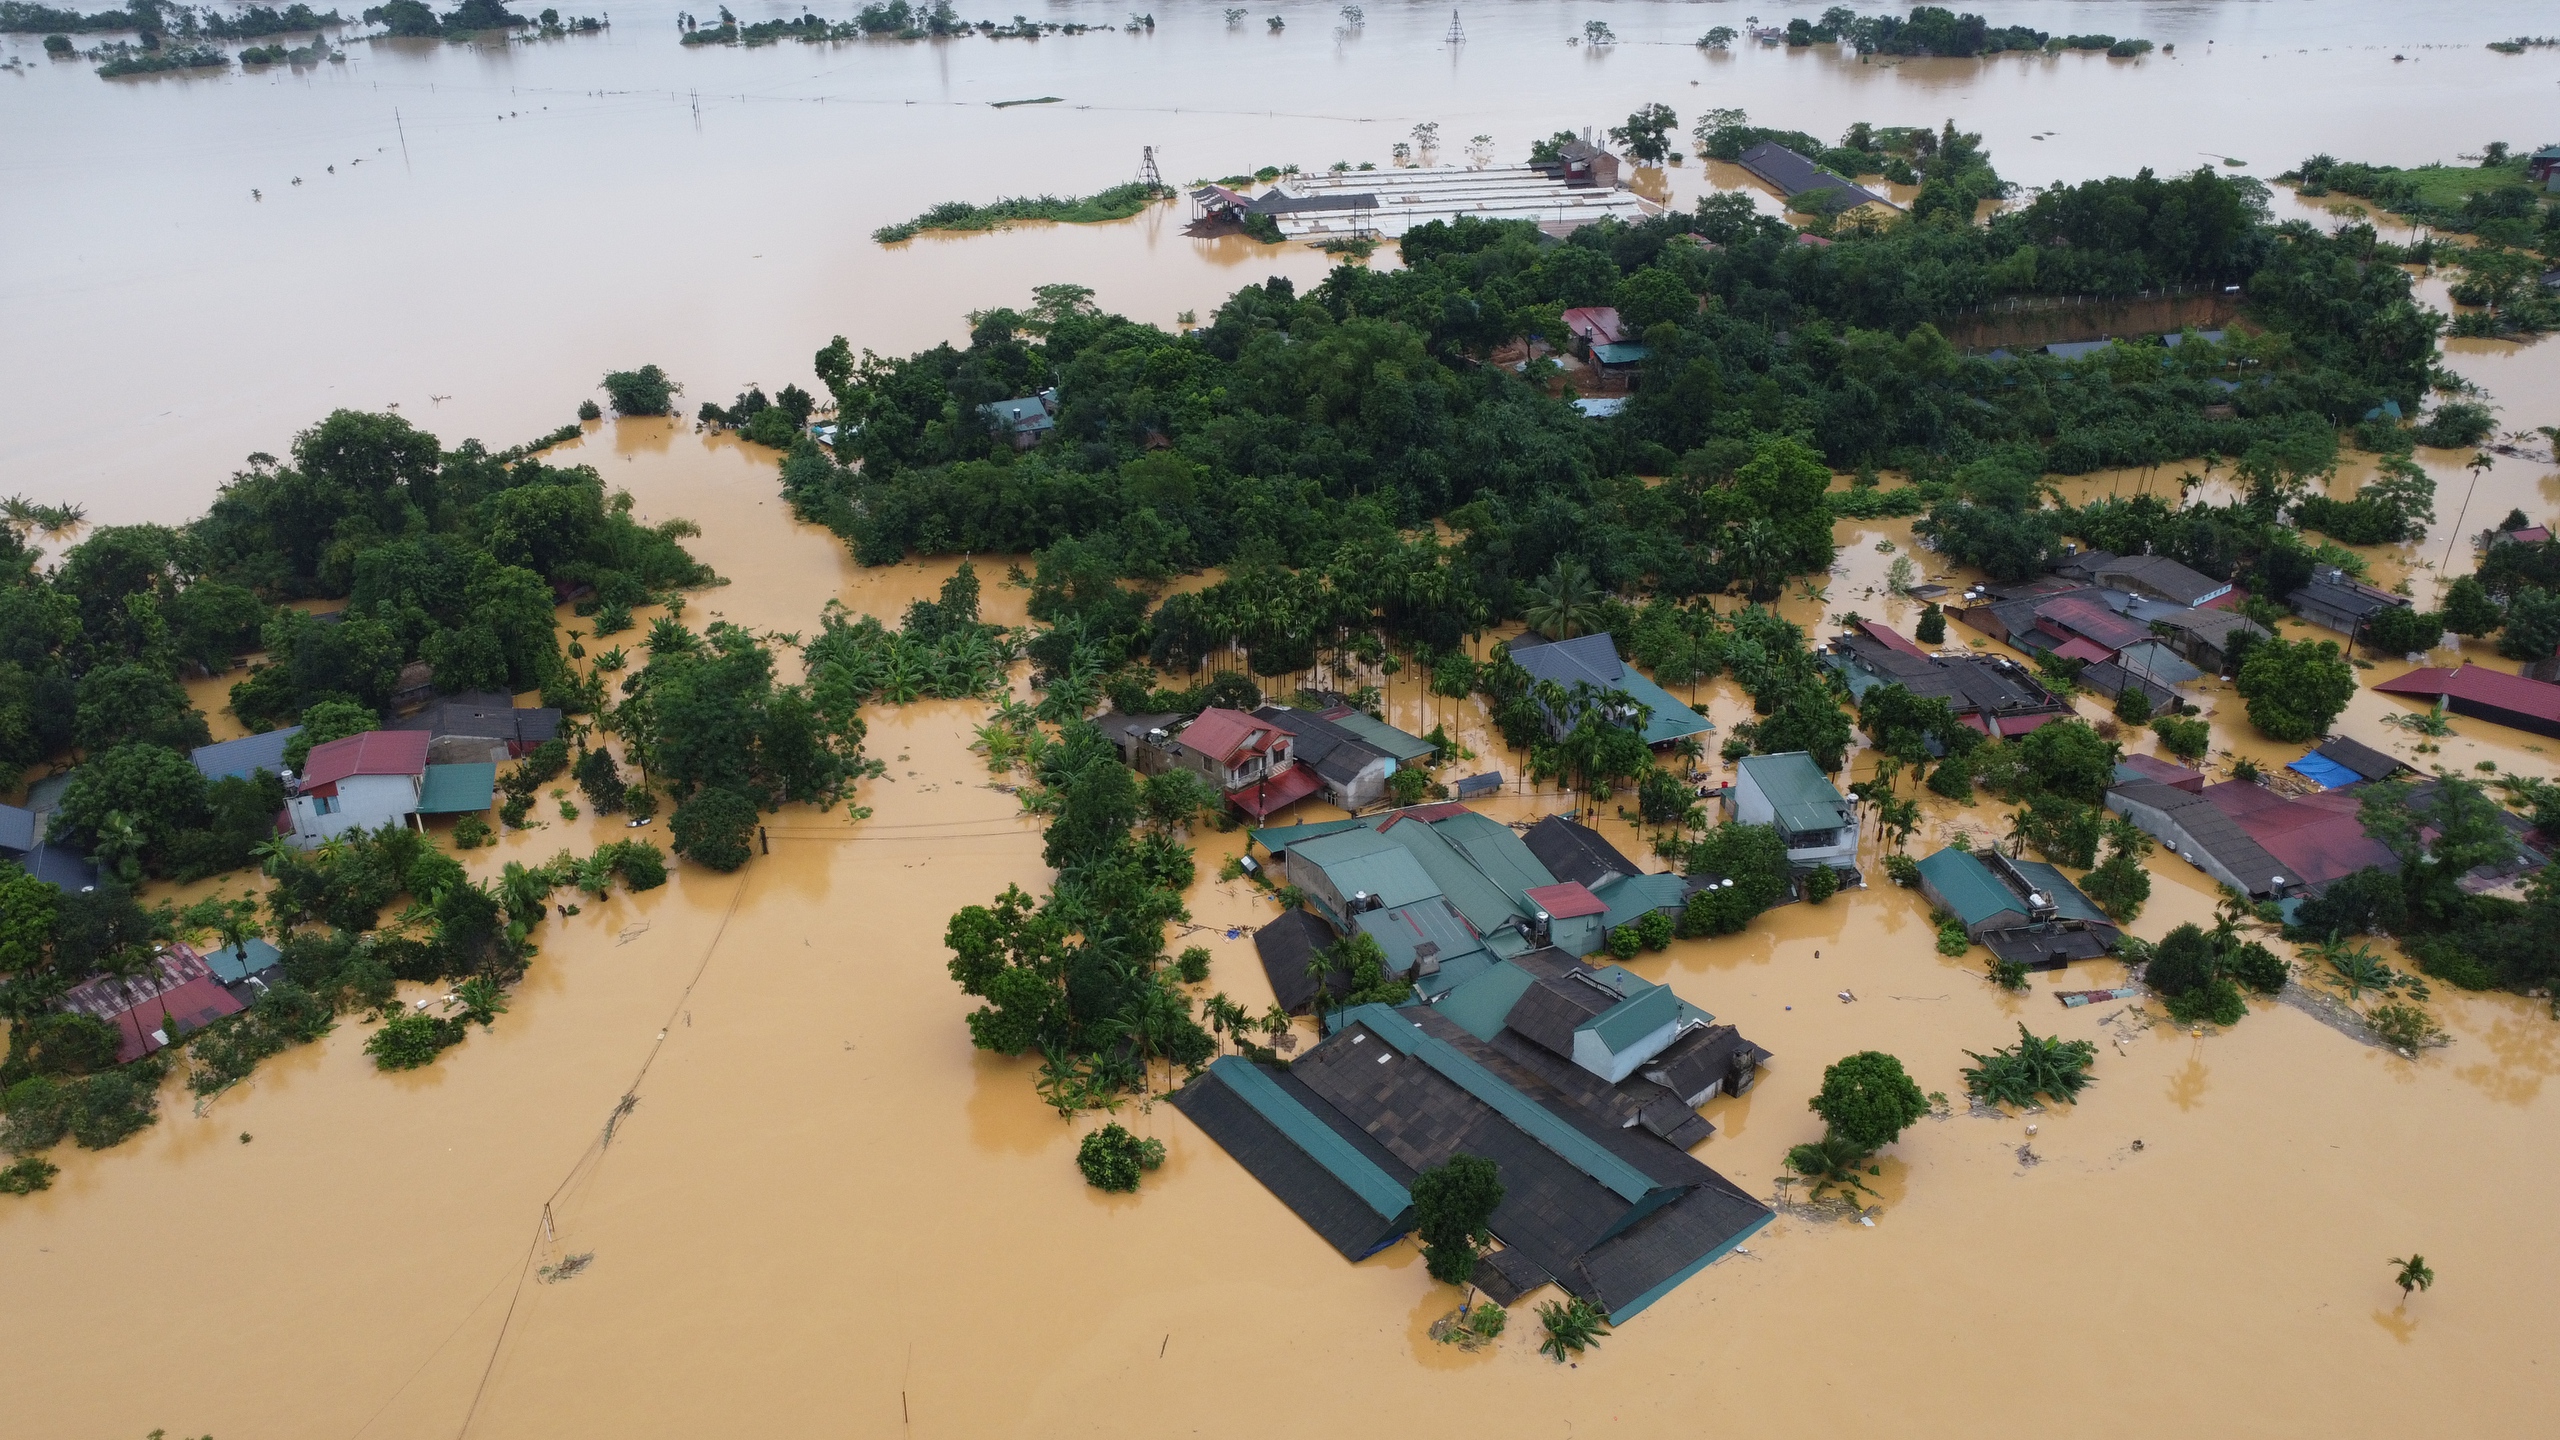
(1377, 764)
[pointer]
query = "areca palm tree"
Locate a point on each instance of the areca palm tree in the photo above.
(1565, 602)
(2414, 1274)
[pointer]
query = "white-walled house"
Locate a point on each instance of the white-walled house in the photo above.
(363, 782)
(1790, 792)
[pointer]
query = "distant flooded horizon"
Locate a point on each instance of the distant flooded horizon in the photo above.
(828, 1214)
(505, 222)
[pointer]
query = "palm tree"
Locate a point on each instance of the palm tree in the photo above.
(1564, 603)
(271, 853)
(2414, 1274)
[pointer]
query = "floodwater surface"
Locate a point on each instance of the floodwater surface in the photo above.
(822, 1212)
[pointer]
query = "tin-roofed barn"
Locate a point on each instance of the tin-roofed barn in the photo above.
(2486, 694)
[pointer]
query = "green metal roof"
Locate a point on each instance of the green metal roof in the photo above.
(1967, 887)
(1625, 352)
(2068, 902)
(1802, 795)
(1671, 719)
(1399, 931)
(1277, 839)
(1357, 860)
(453, 789)
(1485, 903)
(1360, 1174)
(1481, 1005)
(1628, 982)
(1623, 1024)
(1378, 735)
(1631, 897)
(1532, 1119)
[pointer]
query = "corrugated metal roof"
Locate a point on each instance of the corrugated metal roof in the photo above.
(1565, 899)
(1482, 1005)
(375, 752)
(2067, 900)
(1631, 897)
(1362, 860)
(2363, 759)
(246, 756)
(1967, 887)
(457, 789)
(1356, 1171)
(1404, 929)
(1486, 903)
(1632, 1019)
(1380, 736)
(1532, 1119)
(2484, 686)
(1803, 797)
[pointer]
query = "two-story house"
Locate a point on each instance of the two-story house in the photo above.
(360, 783)
(1790, 792)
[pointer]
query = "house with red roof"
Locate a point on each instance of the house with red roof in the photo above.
(362, 782)
(177, 992)
(2486, 694)
(1591, 325)
(1251, 759)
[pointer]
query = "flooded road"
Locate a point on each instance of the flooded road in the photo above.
(826, 1214)
(504, 224)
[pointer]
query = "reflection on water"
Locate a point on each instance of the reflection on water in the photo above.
(2188, 1084)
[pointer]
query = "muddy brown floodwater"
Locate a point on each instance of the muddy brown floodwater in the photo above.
(825, 1213)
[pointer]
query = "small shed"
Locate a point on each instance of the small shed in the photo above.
(457, 789)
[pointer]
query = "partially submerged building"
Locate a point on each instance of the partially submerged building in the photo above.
(1808, 187)
(1592, 660)
(1447, 892)
(1990, 693)
(1022, 422)
(1790, 792)
(2338, 601)
(2486, 694)
(2021, 910)
(1250, 760)
(24, 842)
(249, 755)
(2193, 828)
(378, 778)
(175, 994)
(1612, 1213)
(476, 726)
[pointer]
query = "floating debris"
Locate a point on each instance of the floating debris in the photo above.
(569, 1268)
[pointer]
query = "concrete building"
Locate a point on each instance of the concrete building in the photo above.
(362, 782)
(1788, 791)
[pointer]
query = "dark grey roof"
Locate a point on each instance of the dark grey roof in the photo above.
(1575, 852)
(1794, 175)
(55, 865)
(1970, 684)
(1332, 1208)
(1703, 1057)
(2050, 947)
(245, 756)
(1279, 202)
(1549, 1011)
(2160, 575)
(1584, 659)
(2205, 823)
(484, 715)
(1286, 945)
(1506, 1275)
(2363, 759)
(2340, 595)
(17, 828)
(1332, 751)
(2110, 679)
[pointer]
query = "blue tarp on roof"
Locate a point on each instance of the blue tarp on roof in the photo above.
(2328, 773)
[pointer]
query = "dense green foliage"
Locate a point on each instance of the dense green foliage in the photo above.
(1117, 203)
(2295, 688)
(1572, 1326)
(1112, 1159)
(1868, 1099)
(1452, 1203)
(2050, 1066)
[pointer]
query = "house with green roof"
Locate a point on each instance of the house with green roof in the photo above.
(2021, 910)
(1791, 793)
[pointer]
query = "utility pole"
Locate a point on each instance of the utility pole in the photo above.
(1457, 32)
(1147, 172)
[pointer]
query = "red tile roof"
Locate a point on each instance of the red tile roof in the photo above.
(1565, 901)
(375, 752)
(1279, 792)
(1598, 324)
(1225, 735)
(2080, 647)
(2096, 621)
(2483, 686)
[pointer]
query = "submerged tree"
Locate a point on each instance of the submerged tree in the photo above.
(1452, 1202)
